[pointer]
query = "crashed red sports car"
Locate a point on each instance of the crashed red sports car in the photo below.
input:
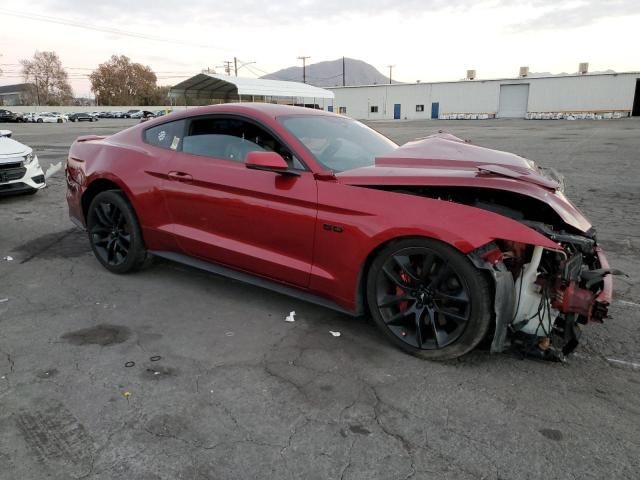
(443, 243)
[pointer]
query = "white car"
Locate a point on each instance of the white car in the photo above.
(46, 117)
(20, 171)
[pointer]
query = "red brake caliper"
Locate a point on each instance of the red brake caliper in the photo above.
(402, 306)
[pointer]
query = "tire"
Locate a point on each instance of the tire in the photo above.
(39, 120)
(428, 299)
(59, 120)
(114, 233)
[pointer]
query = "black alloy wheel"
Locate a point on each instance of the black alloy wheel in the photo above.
(428, 298)
(114, 233)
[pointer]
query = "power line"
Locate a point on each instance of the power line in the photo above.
(260, 70)
(101, 28)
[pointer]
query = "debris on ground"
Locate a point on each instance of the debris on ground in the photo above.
(8, 258)
(4, 300)
(155, 358)
(129, 364)
(290, 317)
(335, 334)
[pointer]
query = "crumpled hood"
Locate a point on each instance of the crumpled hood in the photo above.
(10, 149)
(443, 150)
(444, 160)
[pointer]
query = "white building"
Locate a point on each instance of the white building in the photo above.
(597, 95)
(209, 88)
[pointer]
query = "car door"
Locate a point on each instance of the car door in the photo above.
(256, 221)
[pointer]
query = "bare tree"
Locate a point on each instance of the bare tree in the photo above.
(50, 79)
(121, 82)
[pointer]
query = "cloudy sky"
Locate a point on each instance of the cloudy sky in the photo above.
(427, 40)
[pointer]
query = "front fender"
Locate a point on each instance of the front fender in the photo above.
(375, 217)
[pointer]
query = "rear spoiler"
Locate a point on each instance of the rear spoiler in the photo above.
(88, 138)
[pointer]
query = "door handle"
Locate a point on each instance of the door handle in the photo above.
(180, 177)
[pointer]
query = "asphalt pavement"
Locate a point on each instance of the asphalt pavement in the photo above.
(173, 373)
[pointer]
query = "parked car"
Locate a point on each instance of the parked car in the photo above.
(62, 115)
(442, 242)
(8, 116)
(82, 117)
(49, 117)
(20, 170)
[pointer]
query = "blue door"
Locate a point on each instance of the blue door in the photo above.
(435, 110)
(330, 107)
(396, 111)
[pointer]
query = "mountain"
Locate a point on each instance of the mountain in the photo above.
(329, 74)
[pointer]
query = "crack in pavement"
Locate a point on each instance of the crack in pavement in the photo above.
(348, 464)
(11, 362)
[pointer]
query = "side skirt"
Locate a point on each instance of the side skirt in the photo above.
(252, 280)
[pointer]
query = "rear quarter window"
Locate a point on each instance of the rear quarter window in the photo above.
(168, 135)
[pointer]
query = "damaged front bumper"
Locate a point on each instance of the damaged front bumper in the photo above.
(542, 296)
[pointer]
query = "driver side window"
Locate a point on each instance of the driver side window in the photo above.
(231, 139)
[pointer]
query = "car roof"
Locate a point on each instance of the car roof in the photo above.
(270, 109)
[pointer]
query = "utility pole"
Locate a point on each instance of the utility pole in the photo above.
(390, 70)
(227, 66)
(304, 68)
(235, 65)
(344, 82)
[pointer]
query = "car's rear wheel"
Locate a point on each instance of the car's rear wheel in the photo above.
(39, 120)
(428, 299)
(115, 234)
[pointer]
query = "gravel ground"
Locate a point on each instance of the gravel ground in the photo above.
(238, 393)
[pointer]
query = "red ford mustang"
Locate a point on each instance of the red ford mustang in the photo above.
(442, 242)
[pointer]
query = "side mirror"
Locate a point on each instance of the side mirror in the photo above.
(6, 133)
(269, 161)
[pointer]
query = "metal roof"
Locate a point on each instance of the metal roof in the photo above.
(482, 80)
(207, 85)
(13, 89)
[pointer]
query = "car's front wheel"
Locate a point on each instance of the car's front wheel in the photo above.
(428, 298)
(115, 234)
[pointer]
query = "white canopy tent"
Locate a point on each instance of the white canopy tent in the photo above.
(220, 88)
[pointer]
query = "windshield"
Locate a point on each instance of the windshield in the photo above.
(338, 143)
